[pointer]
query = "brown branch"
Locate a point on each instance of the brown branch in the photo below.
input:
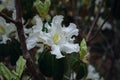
(95, 21)
(30, 63)
(7, 18)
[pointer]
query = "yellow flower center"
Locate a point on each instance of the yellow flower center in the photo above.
(2, 29)
(56, 38)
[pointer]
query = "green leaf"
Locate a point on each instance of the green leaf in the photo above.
(1, 7)
(42, 8)
(50, 66)
(5, 71)
(15, 75)
(46, 63)
(83, 49)
(20, 66)
(9, 75)
(2, 29)
(81, 69)
(47, 4)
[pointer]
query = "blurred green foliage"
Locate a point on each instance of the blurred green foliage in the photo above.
(13, 75)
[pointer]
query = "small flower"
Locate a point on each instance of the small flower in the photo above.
(35, 33)
(60, 38)
(6, 29)
(92, 74)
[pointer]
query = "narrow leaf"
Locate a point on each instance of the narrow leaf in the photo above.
(83, 49)
(20, 65)
(2, 29)
(5, 71)
(15, 75)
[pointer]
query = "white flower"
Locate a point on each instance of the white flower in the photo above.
(9, 4)
(61, 38)
(6, 29)
(58, 37)
(92, 74)
(34, 34)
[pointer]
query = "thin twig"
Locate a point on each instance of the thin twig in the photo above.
(94, 22)
(7, 18)
(100, 28)
(109, 16)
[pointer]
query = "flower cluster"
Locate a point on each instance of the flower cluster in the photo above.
(58, 37)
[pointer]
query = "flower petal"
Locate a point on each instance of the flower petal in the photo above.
(56, 51)
(38, 20)
(56, 24)
(39, 24)
(28, 31)
(57, 19)
(41, 47)
(31, 42)
(10, 27)
(70, 47)
(92, 74)
(70, 30)
(4, 39)
(48, 26)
